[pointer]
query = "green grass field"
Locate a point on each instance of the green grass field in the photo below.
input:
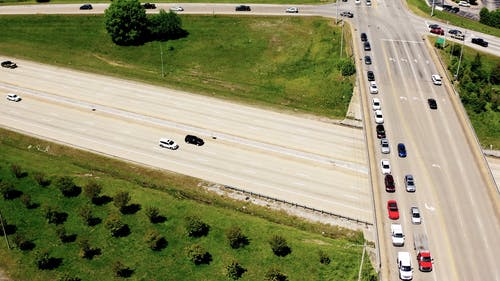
(181, 1)
(177, 197)
(288, 63)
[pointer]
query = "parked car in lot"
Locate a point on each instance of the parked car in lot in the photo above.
(373, 87)
(415, 215)
(370, 75)
(457, 34)
(401, 150)
(437, 31)
(389, 183)
(347, 14)
(177, 9)
(376, 104)
(86, 7)
(480, 42)
(168, 143)
(149, 6)
(410, 183)
(385, 166)
(379, 118)
(243, 8)
(13, 97)
(194, 140)
(384, 146)
(432, 103)
(436, 79)
(464, 4)
(368, 60)
(292, 10)
(380, 131)
(366, 46)
(364, 37)
(392, 209)
(8, 64)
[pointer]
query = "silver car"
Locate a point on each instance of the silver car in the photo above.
(410, 183)
(384, 146)
(415, 215)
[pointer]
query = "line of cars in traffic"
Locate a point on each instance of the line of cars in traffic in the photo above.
(397, 235)
(456, 34)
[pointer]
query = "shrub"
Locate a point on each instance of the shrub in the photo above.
(63, 235)
(67, 277)
(22, 243)
(279, 246)
(153, 214)
(9, 192)
(234, 270)
(165, 26)
(198, 255)
(67, 187)
(44, 261)
(347, 67)
(323, 257)
(41, 179)
(155, 241)
(85, 213)
(236, 238)
(53, 215)
(121, 200)
(17, 171)
(26, 200)
(92, 190)
(116, 226)
(195, 227)
(274, 274)
(121, 270)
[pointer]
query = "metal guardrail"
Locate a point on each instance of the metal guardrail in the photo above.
(297, 205)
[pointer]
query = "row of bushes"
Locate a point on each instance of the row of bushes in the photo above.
(490, 18)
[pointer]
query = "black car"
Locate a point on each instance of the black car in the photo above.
(86, 7)
(432, 103)
(480, 42)
(347, 14)
(194, 140)
(455, 10)
(9, 64)
(368, 60)
(242, 8)
(370, 75)
(149, 6)
(364, 37)
(367, 46)
(381, 131)
(389, 183)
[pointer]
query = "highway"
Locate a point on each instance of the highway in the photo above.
(455, 192)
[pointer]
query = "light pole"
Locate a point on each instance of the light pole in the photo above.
(460, 60)
(161, 56)
(432, 10)
(341, 38)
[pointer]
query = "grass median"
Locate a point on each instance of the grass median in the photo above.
(176, 198)
(289, 63)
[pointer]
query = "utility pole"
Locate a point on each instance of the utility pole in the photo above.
(341, 39)
(461, 53)
(432, 10)
(161, 55)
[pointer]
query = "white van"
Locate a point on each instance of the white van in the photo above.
(404, 265)
(398, 238)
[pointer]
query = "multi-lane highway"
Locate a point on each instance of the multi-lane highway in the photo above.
(455, 192)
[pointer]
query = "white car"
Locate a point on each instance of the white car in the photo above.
(177, 9)
(357, 2)
(464, 4)
(436, 79)
(376, 104)
(292, 10)
(379, 119)
(168, 143)
(385, 166)
(13, 97)
(415, 215)
(384, 146)
(397, 236)
(373, 87)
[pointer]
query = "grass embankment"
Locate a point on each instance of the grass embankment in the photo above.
(420, 8)
(283, 2)
(479, 90)
(284, 62)
(176, 197)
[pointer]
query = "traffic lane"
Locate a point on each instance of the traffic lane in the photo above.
(309, 134)
(494, 164)
(273, 175)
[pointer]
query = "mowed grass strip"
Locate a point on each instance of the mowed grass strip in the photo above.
(176, 197)
(287, 63)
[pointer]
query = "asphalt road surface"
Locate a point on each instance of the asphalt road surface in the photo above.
(300, 160)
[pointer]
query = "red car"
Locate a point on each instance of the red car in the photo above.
(438, 31)
(392, 208)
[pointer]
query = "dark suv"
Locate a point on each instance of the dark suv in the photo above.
(389, 183)
(86, 7)
(380, 131)
(242, 8)
(149, 6)
(480, 42)
(367, 46)
(194, 140)
(364, 37)
(8, 64)
(370, 75)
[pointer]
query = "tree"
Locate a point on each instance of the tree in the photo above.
(236, 238)
(323, 257)
(67, 187)
(347, 67)
(153, 214)
(26, 200)
(53, 215)
(495, 74)
(8, 191)
(198, 255)
(126, 22)
(121, 270)
(279, 246)
(484, 16)
(121, 200)
(92, 190)
(165, 26)
(17, 171)
(234, 270)
(41, 179)
(86, 214)
(195, 227)
(116, 226)
(274, 274)
(154, 240)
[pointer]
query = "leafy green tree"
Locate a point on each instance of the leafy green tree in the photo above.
(165, 26)
(347, 67)
(92, 190)
(274, 274)
(67, 187)
(121, 270)
(236, 237)
(195, 227)
(279, 246)
(154, 240)
(116, 226)
(484, 16)
(126, 22)
(234, 270)
(198, 255)
(153, 214)
(121, 200)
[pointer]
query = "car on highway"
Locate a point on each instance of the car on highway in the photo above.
(410, 183)
(376, 104)
(436, 79)
(379, 118)
(385, 166)
(464, 4)
(86, 7)
(432, 103)
(397, 236)
(368, 2)
(347, 14)
(384, 146)
(415, 215)
(8, 64)
(389, 183)
(380, 131)
(366, 46)
(370, 75)
(457, 34)
(194, 140)
(357, 2)
(434, 26)
(401, 150)
(149, 6)
(368, 60)
(177, 9)
(455, 10)
(480, 42)
(392, 209)
(243, 8)
(437, 31)
(292, 10)
(364, 37)
(13, 97)
(373, 87)
(168, 143)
